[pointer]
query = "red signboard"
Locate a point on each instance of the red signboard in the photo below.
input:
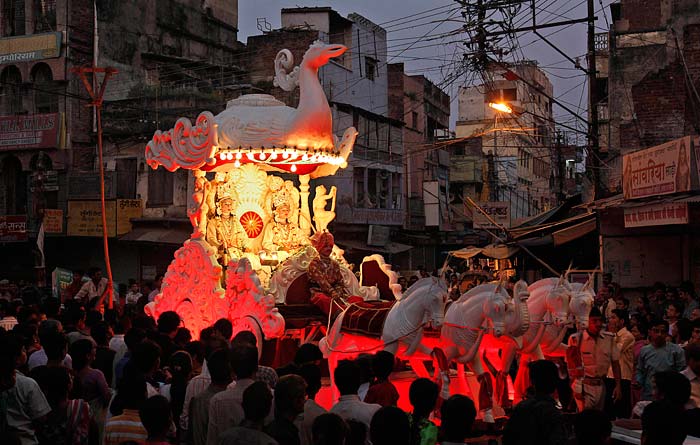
(13, 228)
(30, 131)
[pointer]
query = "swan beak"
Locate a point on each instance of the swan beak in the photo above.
(336, 50)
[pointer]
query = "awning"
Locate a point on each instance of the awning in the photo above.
(158, 235)
(576, 231)
(496, 251)
(619, 201)
(390, 247)
(545, 229)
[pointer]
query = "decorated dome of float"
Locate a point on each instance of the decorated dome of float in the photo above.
(259, 129)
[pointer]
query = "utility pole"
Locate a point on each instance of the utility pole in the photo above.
(97, 96)
(593, 143)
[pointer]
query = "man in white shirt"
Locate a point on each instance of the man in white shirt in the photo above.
(93, 288)
(132, 297)
(692, 372)
(156, 287)
(312, 376)
(617, 324)
(349, 406)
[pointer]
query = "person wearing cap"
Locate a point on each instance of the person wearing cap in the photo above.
(589, 356)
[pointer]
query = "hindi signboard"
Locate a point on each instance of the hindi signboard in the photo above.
(496, 210)
(53, 221)
(666, 168)
(30, 131)
(30, 47)
(127, 209)
(85, 218)
(13, 228)
(657, 214)
(60, 279)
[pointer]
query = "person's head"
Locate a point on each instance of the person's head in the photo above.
(617, 320)
(180, 366)
(83, 353)
(658, 291)
(403, 282)
(156, 417)
(146, 357)
(55, 346)
(133, 337)
(364, 361)
(543, 376)
(423, 394)
(383, 364)
(308, 353)
(132, 391)
(457, 414)
(244, 337)
(686, 291)
(290, 396)
(329, 429)
(219, 364)
(622, 303)
(603, 294)
(245, 361)
(639, 331)
(658, 330)
(168, 322)
(197, 352)
(695, 333)
(182, 337)
(78, 275)
(224, 327)
(257, 401)
(412, 280)
(662, 424)
(95, 274)
(607, 278)
(312, 376)
(695, 314)
(692, 353)
(158, 281)
(134, 286)
(592, 427)
(347, 377)
(671, 386)
(595, 321)
(389, 426)
(101, 332)
(674, 310)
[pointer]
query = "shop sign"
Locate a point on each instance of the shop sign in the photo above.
(657, 214)
(13, 228)
(53, 221)
(498, 211)
(31, 47)
(85, 218)
(660, 170)
(60, 279)
(30, 131)
(49, 181)
(127, 209)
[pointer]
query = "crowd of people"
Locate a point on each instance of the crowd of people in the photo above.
(74, 372)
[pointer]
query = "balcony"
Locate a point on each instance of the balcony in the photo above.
(356, 215)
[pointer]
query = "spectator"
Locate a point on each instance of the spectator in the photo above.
(674, 309)
(263, 373)
(127, 427)
(146, 360)
(156, 287)
(24, 405)
(457, 415)
(156, 420)
(686, 292)
(349, 406)
(132, 338)
(364, 361)
(74, 287)
(312, 376)
(7, 315)
(168, 322)
(133, 295)
(389, 426)
(617, 324)
(69, 420)
(183, 337)
(383, 392)
(695, 333)
(118, 344)
(308, 353)
(257, 402)
(224, 328)
(290, 395)
(692, 372)
(226, 407)
(197, 351)
(219, 363)
(95, 287)
(592, 427)
(329, 429)
(536, 420)
(657, 300)
(77, 327)
(47, 331)
(639, 332)
(659, 355)
(104, 356)
(90, 384)
(662, 424)
(180, 370)
(423, 394)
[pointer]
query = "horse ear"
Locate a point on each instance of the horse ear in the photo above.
(589, 283)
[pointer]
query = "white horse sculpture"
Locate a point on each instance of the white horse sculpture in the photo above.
(483, 308)
(423, 303)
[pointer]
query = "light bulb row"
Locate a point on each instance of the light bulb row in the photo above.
(280, 156)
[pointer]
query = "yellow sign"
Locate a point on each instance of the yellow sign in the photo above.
(32, 47)
(127, 209)
(53, 221)
(85, 218)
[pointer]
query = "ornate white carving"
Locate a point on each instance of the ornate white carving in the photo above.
(386, 268)
(289, 271)
(247, 300)
(286, 74)
(184, 146)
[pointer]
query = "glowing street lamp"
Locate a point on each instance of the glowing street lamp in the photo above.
(500, 106)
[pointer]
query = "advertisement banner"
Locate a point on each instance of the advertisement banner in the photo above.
(30, 131)
(13, 228)
(657, 214)
(497, 210)
(31, 47)
(660, 170)
(85, 218)
(53, 221)
(127, 209)
(60, 279)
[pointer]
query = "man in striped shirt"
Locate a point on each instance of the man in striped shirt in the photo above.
(127, 427)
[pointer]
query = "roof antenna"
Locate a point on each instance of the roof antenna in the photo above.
(263, 25)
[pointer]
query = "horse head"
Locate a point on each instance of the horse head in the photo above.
(496, 307)
(434, 297)
(319, 53)
(558, 302)
(581, 302)
(518, 321)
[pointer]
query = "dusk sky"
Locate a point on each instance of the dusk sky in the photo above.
(434, 54)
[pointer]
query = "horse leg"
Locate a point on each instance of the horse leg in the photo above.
(485, 390)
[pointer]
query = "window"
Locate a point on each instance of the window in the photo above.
(10, 91)
(126, 178)
(12, 18)
(13, 187)
(414, 120)
(160, 188)
(358, 175)
(510, 94)
(370, 68)
(44, 15)
(45, 101)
